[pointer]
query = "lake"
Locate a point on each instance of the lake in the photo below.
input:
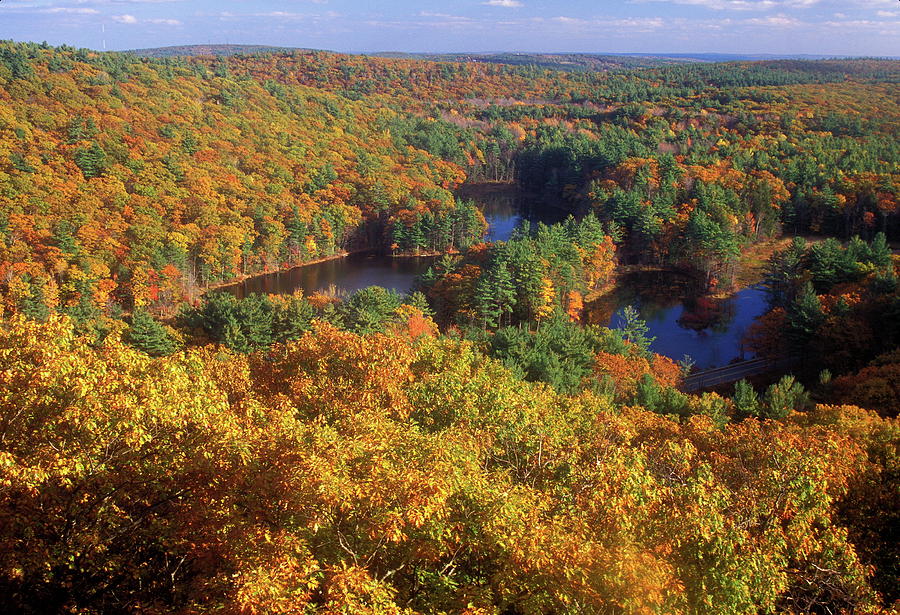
(709, 331)
(505, 206)
(347, 274)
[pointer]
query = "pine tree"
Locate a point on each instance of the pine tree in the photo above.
(635, 330)
(805, 314)
(148, 335)
(495, 295)
(91, 160)
(783, 397)
(33, 305)
(880, 251)
(746, 400)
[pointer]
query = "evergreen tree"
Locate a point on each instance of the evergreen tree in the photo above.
(368, 310)
(244, 325)
(746, 400)
(33, 305)
(783, 397)
(145, 333)
(804, 315)
(293, 319)
(634, 329)
(415, 235)
(783, 271)
(880, 251)
(91, 160)
(420, 302)
(495, 294)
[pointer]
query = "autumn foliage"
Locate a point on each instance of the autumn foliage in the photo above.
(376, 474)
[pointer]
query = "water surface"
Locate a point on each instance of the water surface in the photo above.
(346, 274)
(710, 331)
(505, 207)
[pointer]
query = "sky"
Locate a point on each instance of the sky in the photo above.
(826, 27)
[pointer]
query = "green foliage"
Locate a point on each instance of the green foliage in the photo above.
(456, 228)
(784, 270)
(495, 295)
(292, 319)
(92, 160)
(785, 396)
(33, 305)
(558, 352)
(805, 315)
(634, 330)
(244, 325)
(369, 310)
(746, 401)
(661, 400)
(20, 164)
(145, 333)
(16, 62)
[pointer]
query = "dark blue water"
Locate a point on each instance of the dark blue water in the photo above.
(709, 331)
(505, 207)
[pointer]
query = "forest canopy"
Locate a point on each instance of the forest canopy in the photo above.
(473, 446)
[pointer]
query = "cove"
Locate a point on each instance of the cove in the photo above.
(708, 330)
(683, 322)
(505, 206)
(345, 275)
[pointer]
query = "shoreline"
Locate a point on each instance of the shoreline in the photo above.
(243, 278)
(324, 259)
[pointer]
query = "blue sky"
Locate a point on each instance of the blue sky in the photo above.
(839, 27)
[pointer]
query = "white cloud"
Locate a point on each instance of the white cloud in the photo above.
(128, 19)
(164, 22)
(281, 14)
(777, 21)
(633, 24)
(562, 19)
(510, 4)
(740, 5)
(862, 24)
(445, 16)
(69, 11)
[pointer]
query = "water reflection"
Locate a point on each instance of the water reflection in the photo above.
(348, 274)
(505, 206)
(709, 330)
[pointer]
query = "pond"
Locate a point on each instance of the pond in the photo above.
(709, 331)
(505, 206)
(346, 275)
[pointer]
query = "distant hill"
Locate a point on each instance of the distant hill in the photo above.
(209, 50)
(572, 62)
(580, 62)
(555, 61)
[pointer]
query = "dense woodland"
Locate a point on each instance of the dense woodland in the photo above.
(473, 447)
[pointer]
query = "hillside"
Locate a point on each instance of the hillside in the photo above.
(120, 176)
(208, 50)
(552, 61)
(474, 446)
